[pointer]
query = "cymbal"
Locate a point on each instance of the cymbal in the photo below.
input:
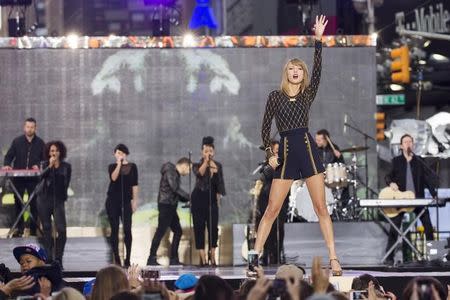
(354, 149)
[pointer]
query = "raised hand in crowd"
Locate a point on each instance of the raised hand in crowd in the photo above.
(46, 287)
(154, 286)
(133, 273)
(320, 277)
(261, 288)
(19, 284)
(293, 288)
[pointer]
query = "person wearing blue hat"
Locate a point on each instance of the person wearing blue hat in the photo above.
(186, 284)
(30, 256)
(33, 262)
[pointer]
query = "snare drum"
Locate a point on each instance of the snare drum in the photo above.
(336, 175)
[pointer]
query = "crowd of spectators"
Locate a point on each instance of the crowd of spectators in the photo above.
(43, 280)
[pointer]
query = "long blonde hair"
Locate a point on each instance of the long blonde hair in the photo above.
(108, 282)
(284, 77)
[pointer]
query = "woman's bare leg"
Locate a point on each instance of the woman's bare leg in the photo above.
(278, 192)
(202, 255)
(213, 256)
(316, 188)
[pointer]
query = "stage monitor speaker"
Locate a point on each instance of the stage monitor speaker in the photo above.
(16, 27)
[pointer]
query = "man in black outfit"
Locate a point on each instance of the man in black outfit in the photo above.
(409, 174)
(326, 153)
(26, 152)
(170, 193)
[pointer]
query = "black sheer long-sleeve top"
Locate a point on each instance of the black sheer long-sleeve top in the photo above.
(291, 114)
(202, 182)
(56, 181)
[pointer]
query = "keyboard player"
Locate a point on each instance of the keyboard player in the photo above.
(409, 174)
(26, 152)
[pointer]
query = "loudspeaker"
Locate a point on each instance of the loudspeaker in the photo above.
(16, 27)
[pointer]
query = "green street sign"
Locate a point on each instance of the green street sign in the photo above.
(391, 99)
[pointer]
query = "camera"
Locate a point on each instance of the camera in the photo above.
(150, 274)
(358, 295)
(252, 260)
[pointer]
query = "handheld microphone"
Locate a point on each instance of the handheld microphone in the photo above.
(409, 151)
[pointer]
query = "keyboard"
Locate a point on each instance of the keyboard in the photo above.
(20, 173)
(396, 202)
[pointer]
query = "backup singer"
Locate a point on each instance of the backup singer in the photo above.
(299, 157)
(326, 153)
(170, 192)
(52, 198)
(26, 152)
(121, 200)
(205, 199)
(409, 174)
(273, 249)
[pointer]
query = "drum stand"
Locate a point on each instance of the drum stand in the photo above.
(291, 213)
(355, 211)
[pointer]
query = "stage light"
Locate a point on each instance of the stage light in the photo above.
(422, 62)
(374, 36)
(188, 40)
(72, 40)
(396, 87)
(427, 43)
(439, 58)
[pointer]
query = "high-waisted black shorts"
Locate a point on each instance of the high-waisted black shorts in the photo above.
(297, 155)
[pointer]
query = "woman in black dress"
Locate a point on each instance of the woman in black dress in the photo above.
(299, 158)
(52, 198)
(121, 200)
(205, 198)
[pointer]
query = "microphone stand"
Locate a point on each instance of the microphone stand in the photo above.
(190, 206)
(53, 169)
(366, 163)
(123, 203)
(433, 173)
(210, 213)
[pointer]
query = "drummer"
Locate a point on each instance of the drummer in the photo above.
(326, 151)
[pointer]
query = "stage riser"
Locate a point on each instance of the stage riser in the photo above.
(361, 243)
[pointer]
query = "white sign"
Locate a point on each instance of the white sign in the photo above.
(436, 20)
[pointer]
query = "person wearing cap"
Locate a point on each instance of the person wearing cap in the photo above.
(290, 271)
(121, 200)
(33, 262)
(185, 285)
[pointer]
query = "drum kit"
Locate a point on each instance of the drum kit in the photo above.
(341, 183)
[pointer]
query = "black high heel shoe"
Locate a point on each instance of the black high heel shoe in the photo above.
(336, 272)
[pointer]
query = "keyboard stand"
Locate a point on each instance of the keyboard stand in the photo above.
(8, 181)
(402, 234)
